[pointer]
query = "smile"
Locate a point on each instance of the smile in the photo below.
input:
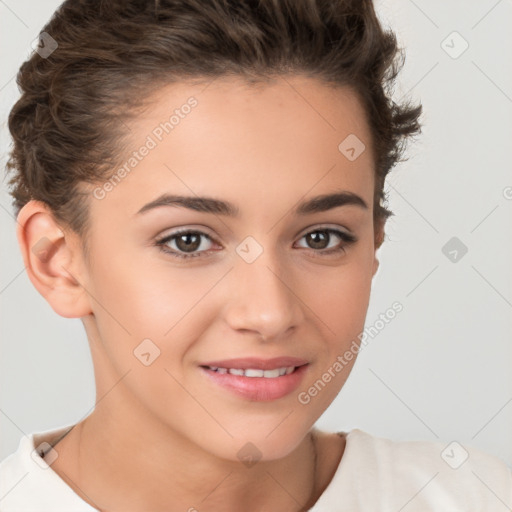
(255, 379)
(254, 372)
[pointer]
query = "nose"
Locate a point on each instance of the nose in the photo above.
(263, 298)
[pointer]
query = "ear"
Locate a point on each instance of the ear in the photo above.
(379, 239)
(53, 260)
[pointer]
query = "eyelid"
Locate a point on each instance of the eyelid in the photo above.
(202, 232)
(319, 227)
(345, 236)
(206, 231)
(185, 229)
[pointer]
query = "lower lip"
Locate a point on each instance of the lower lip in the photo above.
(259, 389)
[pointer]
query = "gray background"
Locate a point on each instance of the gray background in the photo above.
(441, 370)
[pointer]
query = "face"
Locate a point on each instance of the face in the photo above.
(254, 278)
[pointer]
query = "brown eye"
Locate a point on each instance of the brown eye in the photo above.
(319, 240)
(186, 242)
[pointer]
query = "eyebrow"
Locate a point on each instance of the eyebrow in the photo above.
(316, 204)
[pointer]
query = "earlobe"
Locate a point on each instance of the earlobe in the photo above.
(379, 233)
(379, 239)
(375, 265)
(52, 260)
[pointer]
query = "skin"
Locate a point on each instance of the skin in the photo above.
(163, 437)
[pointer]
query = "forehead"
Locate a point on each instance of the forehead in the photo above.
(248, 144)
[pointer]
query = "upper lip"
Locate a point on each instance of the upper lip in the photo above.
(245, 363)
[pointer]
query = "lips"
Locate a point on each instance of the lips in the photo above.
(257, 379)
(247, 363)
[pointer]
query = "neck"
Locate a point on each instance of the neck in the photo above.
(104, 465)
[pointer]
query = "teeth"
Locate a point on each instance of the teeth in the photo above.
(253, 372)
(271, 374)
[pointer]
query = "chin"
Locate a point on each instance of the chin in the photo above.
(256, 443)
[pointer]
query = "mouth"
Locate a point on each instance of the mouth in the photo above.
(257, 379)
(254, 372)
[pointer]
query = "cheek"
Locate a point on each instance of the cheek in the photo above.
(137, 300)
(341, 296)
(146, 319)
(342, 304)
(349, 302)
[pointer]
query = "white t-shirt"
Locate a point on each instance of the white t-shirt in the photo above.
(375, 474)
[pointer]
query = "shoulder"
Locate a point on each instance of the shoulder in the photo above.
(27, 482)
(434, 473)
(383, 474)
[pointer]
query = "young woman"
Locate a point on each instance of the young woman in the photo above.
(202, 183)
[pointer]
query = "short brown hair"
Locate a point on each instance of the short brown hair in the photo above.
(68, 126)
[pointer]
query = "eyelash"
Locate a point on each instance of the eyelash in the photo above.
(347, 238)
